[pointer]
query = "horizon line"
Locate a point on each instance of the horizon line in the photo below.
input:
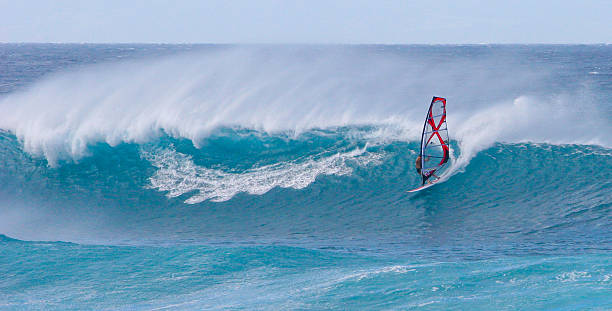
(301, 43)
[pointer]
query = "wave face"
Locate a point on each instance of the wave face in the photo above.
(203, 177)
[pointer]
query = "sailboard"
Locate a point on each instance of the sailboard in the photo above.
(434, 153)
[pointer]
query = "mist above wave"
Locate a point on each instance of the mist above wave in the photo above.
(294, 88)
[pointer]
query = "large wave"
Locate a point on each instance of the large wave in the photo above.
(321, 186)
(493, 98)
(256, 126)
(214, 178)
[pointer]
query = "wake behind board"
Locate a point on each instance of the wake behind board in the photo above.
(435, 152)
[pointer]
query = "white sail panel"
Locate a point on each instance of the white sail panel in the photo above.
(434, 140)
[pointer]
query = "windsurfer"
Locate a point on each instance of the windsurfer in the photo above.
(434, 152)
(418, 166)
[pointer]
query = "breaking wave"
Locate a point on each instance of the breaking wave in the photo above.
(292, 128)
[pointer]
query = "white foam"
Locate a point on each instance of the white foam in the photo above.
(177, 174)
(572, 276)
(189, 95)
(526, 119)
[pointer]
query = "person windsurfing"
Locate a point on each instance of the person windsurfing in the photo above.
(418, 166)
(434, 152)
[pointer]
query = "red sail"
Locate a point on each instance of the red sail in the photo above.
(434, 140)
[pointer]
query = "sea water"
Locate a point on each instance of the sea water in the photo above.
(219, 177)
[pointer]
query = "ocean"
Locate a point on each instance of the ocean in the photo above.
(275, 177)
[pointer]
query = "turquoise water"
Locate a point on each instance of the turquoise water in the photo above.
(72, 276)
(148, 177)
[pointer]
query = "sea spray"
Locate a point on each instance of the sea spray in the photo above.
(190, 95)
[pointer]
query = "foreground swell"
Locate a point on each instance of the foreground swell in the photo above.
(56, 275)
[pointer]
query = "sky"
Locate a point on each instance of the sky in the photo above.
(310, 22)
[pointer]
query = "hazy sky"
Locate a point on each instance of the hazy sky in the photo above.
(312, 21)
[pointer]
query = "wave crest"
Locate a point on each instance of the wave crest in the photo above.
(295, 89)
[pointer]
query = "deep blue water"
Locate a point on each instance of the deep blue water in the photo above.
(191, 177)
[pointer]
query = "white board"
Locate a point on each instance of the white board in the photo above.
(425, 186)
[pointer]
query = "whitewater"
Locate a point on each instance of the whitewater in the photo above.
(189, 177)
